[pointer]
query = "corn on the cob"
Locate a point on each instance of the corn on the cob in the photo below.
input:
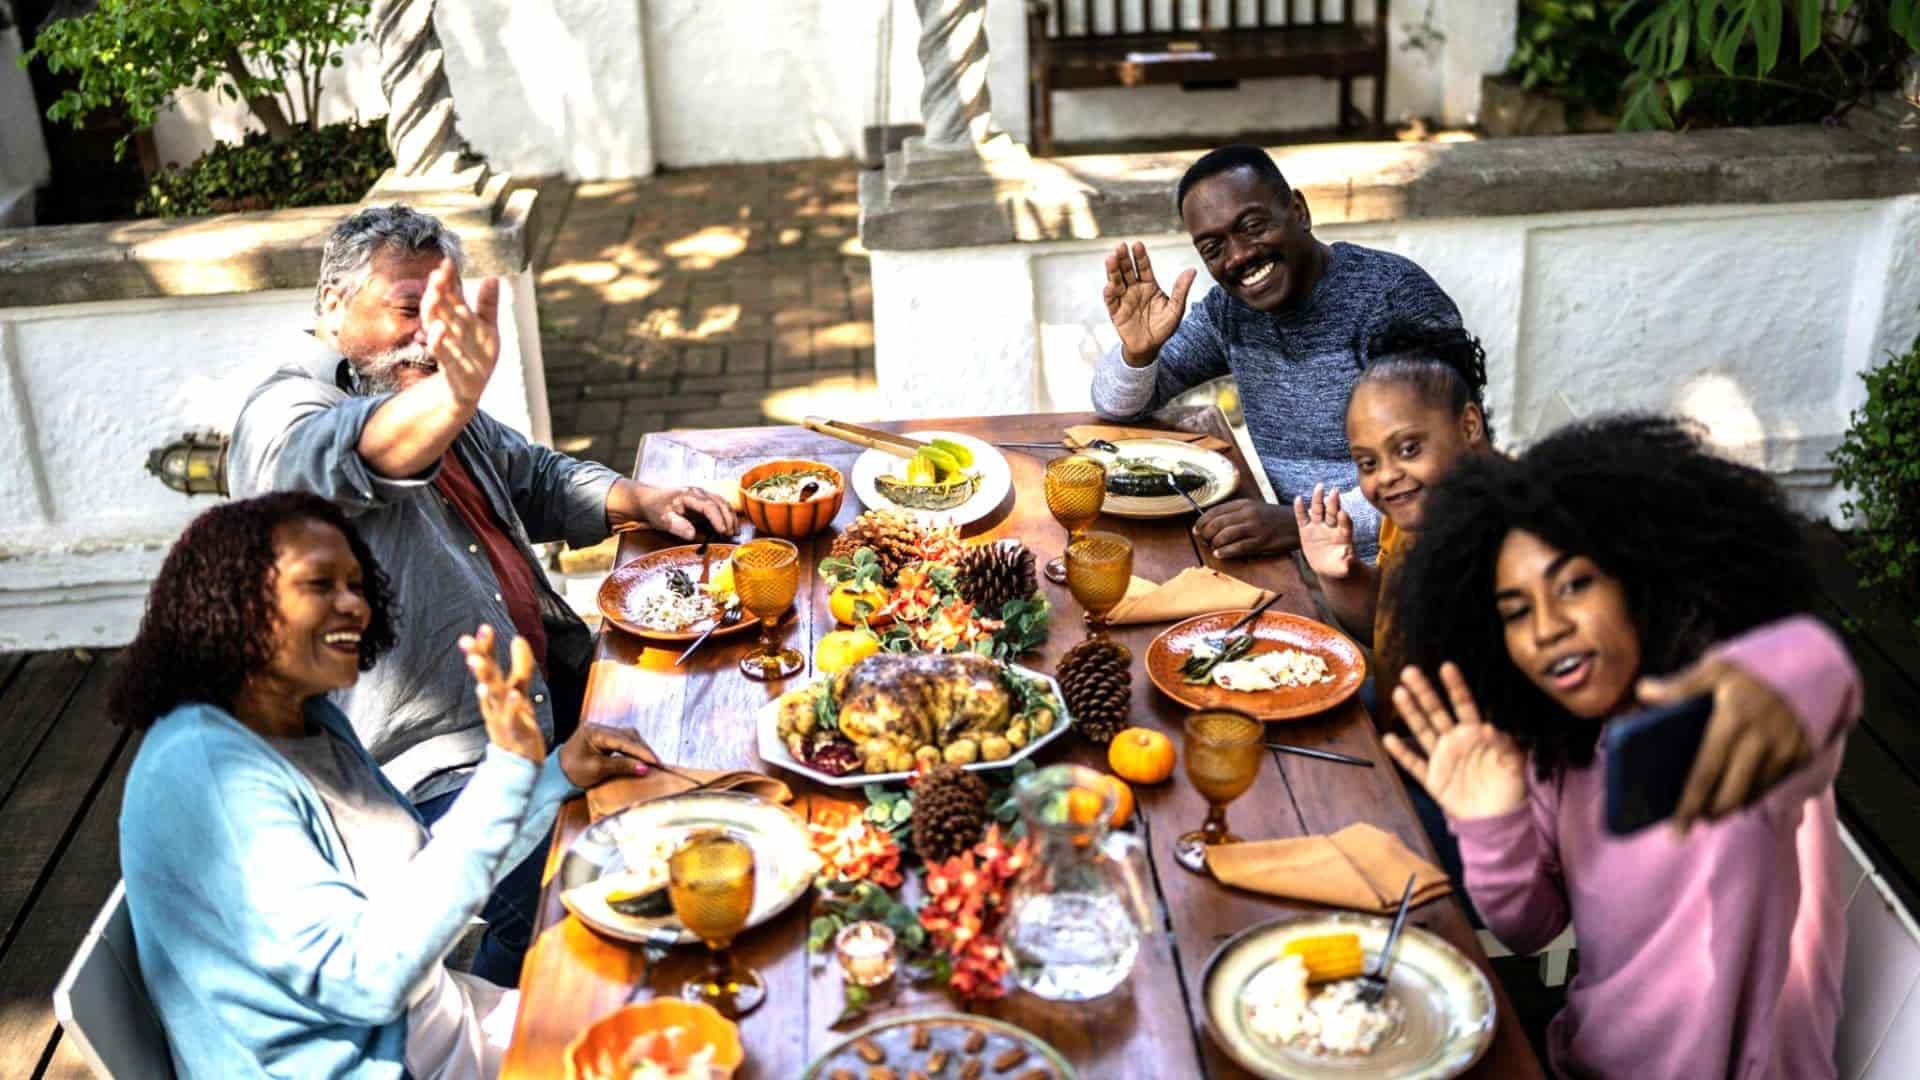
(1327, 956)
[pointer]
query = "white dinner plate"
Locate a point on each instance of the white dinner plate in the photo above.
(996, 479)
(1447, 1005)
(784, 862)
(774, 752)
(1222, 478)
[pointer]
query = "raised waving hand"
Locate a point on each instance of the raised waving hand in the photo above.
(1471, 768)
(1142, 312)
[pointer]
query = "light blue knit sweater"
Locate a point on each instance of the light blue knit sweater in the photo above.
(263, 953)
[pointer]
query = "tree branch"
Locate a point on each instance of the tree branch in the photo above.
(262, 106)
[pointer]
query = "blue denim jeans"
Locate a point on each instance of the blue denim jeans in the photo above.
(515, 903)
(510, 911)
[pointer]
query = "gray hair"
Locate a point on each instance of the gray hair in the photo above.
(351, 247)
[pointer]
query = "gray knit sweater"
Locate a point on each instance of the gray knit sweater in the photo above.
(1294, 368)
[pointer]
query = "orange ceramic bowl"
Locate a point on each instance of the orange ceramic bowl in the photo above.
(601, 1049)
(791, 520)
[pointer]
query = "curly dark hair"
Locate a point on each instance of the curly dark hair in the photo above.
(1705, 548)
(1444, 363)
(210, 615)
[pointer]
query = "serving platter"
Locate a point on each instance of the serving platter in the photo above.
(1000, 1050)
(1447, 1005)
(996, 479)
(1273, 631)
(784, 863)
(774, 752)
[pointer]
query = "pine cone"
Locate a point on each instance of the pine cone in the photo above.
(949, 812)
(893, 536)
(992, 574)
(1096, 678)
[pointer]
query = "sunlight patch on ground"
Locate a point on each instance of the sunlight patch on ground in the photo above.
(842, 397)
(576, 444)
(672, 323)
(584, 273)
(711, 245)
(846, 335)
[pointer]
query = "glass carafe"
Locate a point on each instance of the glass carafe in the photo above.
(1076, 914)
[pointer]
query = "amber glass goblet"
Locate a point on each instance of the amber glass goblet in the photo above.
(1076, 489)
(1223, 752)
(710, 884)
(766, 575)
(1099, 569)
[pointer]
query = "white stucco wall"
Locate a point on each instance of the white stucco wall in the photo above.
(541, 87)
(86, 390)
(1754, 320)
(598, 89)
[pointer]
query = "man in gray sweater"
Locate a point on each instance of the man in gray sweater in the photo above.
(1290, 321)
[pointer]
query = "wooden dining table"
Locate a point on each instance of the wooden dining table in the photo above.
(702, 715)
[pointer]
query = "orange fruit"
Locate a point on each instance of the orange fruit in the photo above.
(1142, 755)
(1083, 803)
(841, 601)
(1122, 801)
(842, 649)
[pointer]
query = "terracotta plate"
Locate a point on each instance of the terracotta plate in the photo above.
(1446, 1004)
(1272, 632)
(618, 591)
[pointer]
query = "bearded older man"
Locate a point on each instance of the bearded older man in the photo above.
(380, 414)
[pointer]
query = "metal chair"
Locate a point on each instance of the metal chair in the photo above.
(102, 1002)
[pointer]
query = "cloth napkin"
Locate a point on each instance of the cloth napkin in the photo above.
(1080, 435)
(1196, 590)
(616, 795)
(1361, 867)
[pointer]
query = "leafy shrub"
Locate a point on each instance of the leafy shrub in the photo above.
(1879, 462)
(1758, 61)
(1569, 47)
(335, 164)
(138, 54)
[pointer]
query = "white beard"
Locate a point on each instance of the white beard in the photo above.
(380, 373)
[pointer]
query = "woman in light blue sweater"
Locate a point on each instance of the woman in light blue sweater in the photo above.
(291, 911)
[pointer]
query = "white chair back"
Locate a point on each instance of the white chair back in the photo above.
(102, 1002)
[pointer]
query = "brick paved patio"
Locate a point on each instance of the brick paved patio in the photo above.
(712, 297)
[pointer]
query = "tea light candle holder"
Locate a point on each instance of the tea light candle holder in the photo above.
(865, 950)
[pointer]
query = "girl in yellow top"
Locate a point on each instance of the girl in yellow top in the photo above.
(1417, 410)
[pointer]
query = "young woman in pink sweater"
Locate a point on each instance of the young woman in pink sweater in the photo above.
(1614, 565)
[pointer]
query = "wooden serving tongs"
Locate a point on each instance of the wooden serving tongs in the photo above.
(871, 438)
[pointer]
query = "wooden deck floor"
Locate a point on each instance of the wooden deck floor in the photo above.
(64, 765)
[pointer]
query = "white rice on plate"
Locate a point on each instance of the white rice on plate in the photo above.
(1327, 1020)
(657, 607)
(1272, 670)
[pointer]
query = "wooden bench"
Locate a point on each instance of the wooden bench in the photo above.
(1081, 44)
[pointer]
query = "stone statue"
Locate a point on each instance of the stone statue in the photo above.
(420, 117)
(954, 101)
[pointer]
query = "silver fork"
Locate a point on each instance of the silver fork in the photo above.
(1373, 985)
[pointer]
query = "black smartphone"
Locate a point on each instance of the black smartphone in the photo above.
(1649, 754)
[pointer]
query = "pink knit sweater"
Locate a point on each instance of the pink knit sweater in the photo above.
(1713, 955)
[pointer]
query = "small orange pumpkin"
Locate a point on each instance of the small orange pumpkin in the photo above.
(1141, 755)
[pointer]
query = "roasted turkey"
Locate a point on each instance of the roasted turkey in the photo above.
(900, 710)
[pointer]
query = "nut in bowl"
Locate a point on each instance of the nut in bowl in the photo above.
(792, 498)
(662, 1039)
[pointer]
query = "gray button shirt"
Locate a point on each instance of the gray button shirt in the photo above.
(1295, 368)
(416, 711)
